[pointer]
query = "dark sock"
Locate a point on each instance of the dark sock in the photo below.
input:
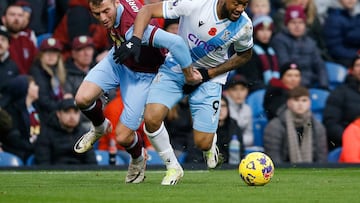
(95, 114)
(135, 151)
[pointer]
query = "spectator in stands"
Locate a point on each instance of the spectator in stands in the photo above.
(78, 65)
(49, 73)
(227, 127)
(342, 105)
(79, 21)
(236, 92)
(293, 44)
(277, 91)
(8, 68)
(295, 136)
(22, 48)
(37, 12)
(341, 30)
(259, 8)
(350, 152)
(81, 61)
(21, 94)
(58, 136)
(313, 24)
(27, 18)
(263, 65)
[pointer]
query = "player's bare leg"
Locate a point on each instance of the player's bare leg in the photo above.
(207, 143)
(87, 99)
(133, 144)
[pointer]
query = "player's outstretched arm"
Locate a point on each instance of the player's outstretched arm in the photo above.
(237, 60)
(146, 13)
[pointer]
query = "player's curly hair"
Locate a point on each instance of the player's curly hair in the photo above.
(5, 122)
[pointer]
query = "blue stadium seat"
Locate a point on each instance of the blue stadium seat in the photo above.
(154, 158)
(8, 159)
(42, 37)
(102, 158)
(30, 160)
(336, 74)
(318, 102)
(334, 155)
(255, 100)
(259, 125)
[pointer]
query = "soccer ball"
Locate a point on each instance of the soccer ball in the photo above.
(256, 169)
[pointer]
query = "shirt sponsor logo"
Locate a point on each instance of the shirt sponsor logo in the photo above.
(200, 43)
(133, 5)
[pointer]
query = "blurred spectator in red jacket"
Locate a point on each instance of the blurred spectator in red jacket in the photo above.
(350, 152)
(22, 48)
(79, 21)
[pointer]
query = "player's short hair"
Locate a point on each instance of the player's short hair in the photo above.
(96, 2)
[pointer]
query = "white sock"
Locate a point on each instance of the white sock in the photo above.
(101, 128)
(161, 142)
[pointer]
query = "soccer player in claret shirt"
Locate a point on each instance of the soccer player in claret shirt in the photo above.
(133, 75)
(209, 27)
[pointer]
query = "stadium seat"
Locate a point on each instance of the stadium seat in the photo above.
(334, 155)
(336, 74)
(154, 158)
(8, 159)
(30, 160)
(255, 100)
(258, 129)
(318, 102)
(42, 37)
(102, 158)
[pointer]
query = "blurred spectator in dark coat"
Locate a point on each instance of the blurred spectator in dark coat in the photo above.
(342, 105)
(8, 68)
(50, 74)
(277, 91)
(293, 44)
(341, 30)
(263, 65)
(21, 94)
(226, 129)
(58, 136)
(295, 136)
(313, 22)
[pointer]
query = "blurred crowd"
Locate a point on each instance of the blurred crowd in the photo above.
(47, 48)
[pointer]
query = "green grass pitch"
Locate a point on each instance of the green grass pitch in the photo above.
(220, 186)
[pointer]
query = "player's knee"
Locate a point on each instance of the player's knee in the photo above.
(82, 101)
(122, 139)
(152, 124)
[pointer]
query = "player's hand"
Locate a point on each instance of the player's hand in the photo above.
(193, 77)
(188, 88)
(128, 49)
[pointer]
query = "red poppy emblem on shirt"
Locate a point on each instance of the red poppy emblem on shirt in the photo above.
(212, 31)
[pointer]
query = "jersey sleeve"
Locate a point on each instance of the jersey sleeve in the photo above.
(175, 8)
(245, 40)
